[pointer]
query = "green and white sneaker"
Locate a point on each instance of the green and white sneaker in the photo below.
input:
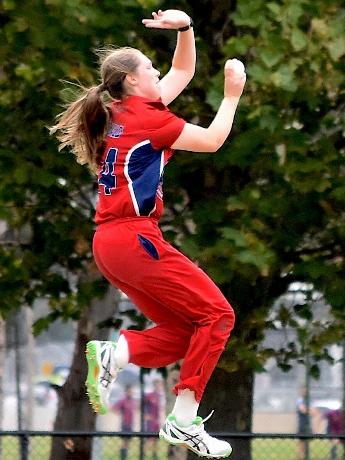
(102, 373)
(195, 438)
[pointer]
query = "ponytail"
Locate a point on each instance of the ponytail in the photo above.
(83, 125)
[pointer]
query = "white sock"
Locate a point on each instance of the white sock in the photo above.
(185, 408)
(121, 353)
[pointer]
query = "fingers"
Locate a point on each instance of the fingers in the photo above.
(157, 15)
(234, 66)
(168, 19)
(235, 78)
(154, 23)
(157, 22)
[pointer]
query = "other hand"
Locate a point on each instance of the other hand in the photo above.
(234, 78)
(168, 19)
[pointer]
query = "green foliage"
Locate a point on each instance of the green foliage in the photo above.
(269, 208)
(41, 42)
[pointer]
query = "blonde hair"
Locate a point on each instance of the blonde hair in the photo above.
(83, 125)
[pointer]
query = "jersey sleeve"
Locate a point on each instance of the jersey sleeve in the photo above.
(161, 125)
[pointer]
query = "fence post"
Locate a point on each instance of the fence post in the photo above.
(142, 395)
(24, 446)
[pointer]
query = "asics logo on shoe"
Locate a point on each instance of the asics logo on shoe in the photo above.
(106, 377)
(195, 439)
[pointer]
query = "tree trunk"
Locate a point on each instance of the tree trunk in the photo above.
(74, 410)
(29, 353)
(230, 395)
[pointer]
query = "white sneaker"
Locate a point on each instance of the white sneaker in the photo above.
(102, 373)
(195, 438)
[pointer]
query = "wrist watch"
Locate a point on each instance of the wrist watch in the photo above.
(185, 28)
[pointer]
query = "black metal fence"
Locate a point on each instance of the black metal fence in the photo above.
(36, 445)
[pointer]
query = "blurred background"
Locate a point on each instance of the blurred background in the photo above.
(36, 367)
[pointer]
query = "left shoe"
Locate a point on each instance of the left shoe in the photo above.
(102, 373)
(195, 438)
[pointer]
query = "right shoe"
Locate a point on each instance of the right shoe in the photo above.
(195, 438)
(102, 373)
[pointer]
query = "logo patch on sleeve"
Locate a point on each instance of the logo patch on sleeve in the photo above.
(115, 130)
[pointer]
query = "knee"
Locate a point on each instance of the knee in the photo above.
(225, 321)
(220, 319)
(232, 317)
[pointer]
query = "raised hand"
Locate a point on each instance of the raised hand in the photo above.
(234, 78)
(168, 19)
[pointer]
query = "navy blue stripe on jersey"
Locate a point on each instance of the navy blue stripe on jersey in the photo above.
(143, 169)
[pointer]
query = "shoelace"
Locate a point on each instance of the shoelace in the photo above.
(201, 427)
(208, 417)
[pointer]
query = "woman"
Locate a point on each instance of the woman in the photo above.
(128, 142)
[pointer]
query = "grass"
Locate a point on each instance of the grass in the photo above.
(109, 447)
(288, 449)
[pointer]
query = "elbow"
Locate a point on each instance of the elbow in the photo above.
(191, 73)
(218, 144)
(213, 149)
(213, 140)
(214, 145)
(209, 148)
(188, 77)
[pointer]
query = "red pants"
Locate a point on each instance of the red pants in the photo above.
(193, 319)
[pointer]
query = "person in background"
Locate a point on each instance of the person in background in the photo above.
(126, 407)
(153, 402)
(335, 426)
(303, 421)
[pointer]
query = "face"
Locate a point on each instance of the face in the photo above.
(145, 80)
(128, 391)
(157, 385)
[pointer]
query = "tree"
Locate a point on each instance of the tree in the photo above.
(74, 409)
(48, 200)
(268, 210)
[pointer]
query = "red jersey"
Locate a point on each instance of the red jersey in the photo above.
(137, 149)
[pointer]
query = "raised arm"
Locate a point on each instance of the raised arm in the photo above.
(183, 64)
(197, 139)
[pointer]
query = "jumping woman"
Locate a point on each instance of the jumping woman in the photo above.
(128, 142)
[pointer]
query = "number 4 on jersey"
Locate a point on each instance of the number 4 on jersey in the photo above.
(107, 176)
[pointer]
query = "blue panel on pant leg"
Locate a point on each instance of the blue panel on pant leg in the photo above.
(148, 246)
